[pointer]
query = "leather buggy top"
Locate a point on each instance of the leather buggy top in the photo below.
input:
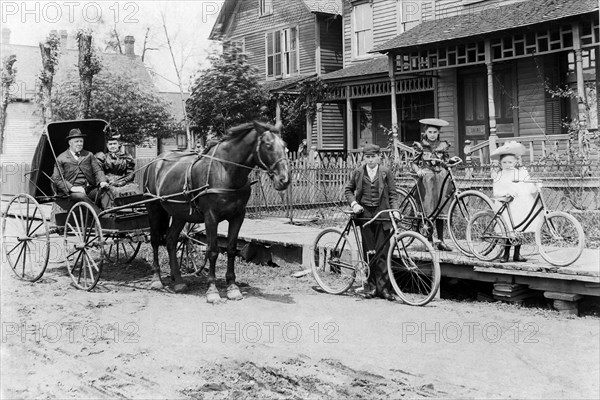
(53, 142)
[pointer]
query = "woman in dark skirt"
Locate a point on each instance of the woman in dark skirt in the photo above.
(431, 173)
(118, 167)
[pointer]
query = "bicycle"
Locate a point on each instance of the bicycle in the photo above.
(412, 264)
(463, 205)
(559, 237)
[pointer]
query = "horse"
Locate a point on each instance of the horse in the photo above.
(211, 187)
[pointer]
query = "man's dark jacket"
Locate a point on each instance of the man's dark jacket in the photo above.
(70, 167)
(388, 197)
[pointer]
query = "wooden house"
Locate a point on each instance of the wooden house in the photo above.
(23, 120)
(286, 41)
(489, 67)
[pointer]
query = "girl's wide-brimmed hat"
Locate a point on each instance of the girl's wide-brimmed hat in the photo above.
(512, 147)
(434, 122)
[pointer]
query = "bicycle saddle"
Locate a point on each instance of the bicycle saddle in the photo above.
(503, 199)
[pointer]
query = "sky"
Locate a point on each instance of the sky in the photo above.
(188, 23)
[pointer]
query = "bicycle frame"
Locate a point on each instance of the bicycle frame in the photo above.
(531, 216)
(352, 226)
(441, 203)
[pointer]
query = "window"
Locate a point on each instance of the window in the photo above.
(410, 14)
(265, 7)
(362, 29)
(365, 124)
(282, 53)
(503, 95)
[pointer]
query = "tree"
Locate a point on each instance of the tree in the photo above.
(136, 110)
(227, 93)
(50, 53)
(89, 65)
(8, 78)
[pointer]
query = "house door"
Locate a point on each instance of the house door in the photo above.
(472, 108)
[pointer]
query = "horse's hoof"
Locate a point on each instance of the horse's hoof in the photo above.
(212, 295)
(156, 285)
(233, 293)
(180, 288)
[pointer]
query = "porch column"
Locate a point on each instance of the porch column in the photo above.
(309, 143)
(278, 111)
(581, 98)
(392, 74)
(349, 144)
(493, 139)
(320, 125)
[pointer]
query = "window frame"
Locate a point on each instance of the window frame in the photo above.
(288, 53)
(355, 40)
(265, 7)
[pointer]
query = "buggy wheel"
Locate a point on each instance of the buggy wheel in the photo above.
(413, 268)
(487, 234)
(560, 238)
(84, 246)
(123, 250)
(333, 264)
(25, 237)
(191, 251)
(460, 212)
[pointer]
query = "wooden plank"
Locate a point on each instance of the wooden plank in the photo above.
(548, 275)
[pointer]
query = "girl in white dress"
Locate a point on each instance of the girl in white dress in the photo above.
(512, 180)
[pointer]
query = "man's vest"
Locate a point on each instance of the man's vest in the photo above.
(370, 195)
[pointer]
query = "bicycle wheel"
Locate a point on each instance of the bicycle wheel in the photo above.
(414, 268)
(26, 237)
(460, 212)
(486, 235)
(333, 263)
(408, 210)
(560, 238)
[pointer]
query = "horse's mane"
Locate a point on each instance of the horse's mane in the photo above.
(238, 132)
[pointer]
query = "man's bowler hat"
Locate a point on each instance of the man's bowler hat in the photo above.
(75, 133)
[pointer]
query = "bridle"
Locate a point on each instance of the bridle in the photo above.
(261, 163)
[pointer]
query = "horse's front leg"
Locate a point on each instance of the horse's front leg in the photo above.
(212, 252)
(235, 224)
(172, 238)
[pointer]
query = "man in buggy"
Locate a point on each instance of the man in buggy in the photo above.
(77, 173)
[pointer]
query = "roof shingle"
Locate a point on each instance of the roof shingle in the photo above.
(510, 16)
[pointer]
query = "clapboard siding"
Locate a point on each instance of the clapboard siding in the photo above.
(307, 46)
(531, 98)
(447, 106)
(22, 130)
(384, 21)
(333, 126)
(331, 44)
(246, 24)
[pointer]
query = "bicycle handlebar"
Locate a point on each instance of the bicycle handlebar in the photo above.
(389, 210)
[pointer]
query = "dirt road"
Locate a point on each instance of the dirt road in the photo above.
(284, 340)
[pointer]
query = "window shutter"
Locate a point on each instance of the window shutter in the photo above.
(294, 40)
(269, 54)
(553, 105)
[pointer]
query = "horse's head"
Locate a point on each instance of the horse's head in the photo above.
(270, 154)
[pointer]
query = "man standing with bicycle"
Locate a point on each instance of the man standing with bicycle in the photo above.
(371, 188)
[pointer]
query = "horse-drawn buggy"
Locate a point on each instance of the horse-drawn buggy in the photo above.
(180, 191)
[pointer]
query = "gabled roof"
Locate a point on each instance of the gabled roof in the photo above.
(376, 66)
(502, 18)
(29, 65)
(332, 7)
